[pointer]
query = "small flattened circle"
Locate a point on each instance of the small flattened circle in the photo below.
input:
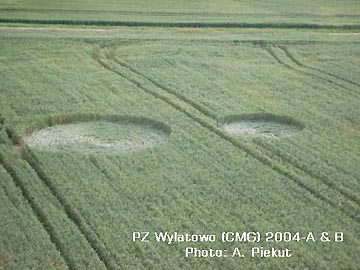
(261, 125)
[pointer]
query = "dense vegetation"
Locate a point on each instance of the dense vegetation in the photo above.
(228, 12)
(64, 210)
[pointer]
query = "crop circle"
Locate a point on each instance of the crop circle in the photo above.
(261, 125)
(101, 136)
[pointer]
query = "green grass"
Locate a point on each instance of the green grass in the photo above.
(263, 12)
(65, 210)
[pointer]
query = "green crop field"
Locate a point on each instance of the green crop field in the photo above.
(122, 118)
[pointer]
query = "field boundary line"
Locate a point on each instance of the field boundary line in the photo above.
(278, 167)
(39, 214)
(186, 24)
(167, 13)
(255, 42)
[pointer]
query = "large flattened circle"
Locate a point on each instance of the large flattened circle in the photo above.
(261, 125)
(98, 137)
